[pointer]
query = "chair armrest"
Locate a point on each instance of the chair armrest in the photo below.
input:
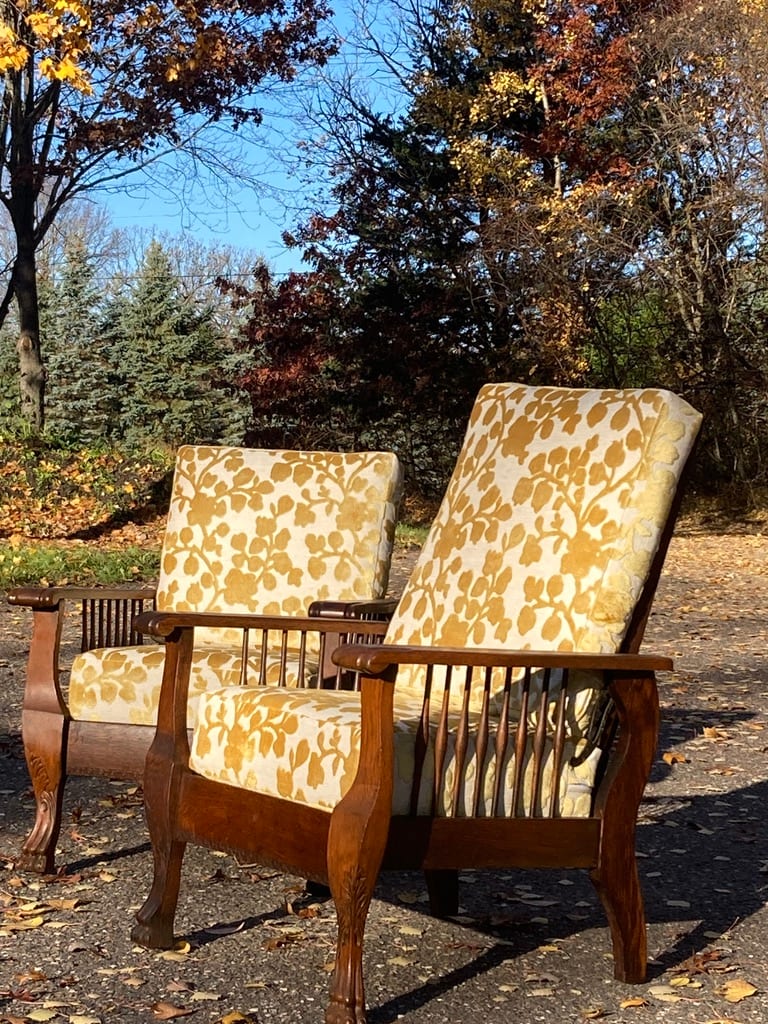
(49, 597)
(162, 624)
(107, 619)
(376, 660)
(371, 611)
(107, 614)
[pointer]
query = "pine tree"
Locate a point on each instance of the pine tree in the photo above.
(173, 364)
(83, 392)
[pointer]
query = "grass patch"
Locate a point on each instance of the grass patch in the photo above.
(59, 565)
(408, 535)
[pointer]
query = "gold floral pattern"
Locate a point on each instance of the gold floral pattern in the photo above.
(250, 530)
(543, 541)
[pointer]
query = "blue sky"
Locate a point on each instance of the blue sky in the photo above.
(242, 220)
(254, 219)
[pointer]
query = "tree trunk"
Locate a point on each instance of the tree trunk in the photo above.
(31, 369)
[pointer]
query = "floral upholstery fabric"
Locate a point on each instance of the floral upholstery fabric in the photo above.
(543, 541)
(248, 530)
(303, 746)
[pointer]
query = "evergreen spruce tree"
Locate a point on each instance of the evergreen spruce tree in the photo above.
(83, 393)
(173, 364)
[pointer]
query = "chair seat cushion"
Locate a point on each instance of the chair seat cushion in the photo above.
(122, 684)
(303, 746)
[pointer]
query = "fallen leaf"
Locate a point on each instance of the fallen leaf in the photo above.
(670, 758)
(179, 953)
(24, 924)
(665, 993)
(711, 733)
(167, 1011)
(633, 1001)
(735, 990)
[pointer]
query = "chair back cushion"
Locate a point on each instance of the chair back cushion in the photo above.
(268, 532)
(551, 520)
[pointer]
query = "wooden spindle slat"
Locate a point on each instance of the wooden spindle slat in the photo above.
(481, 741)
(421, 741)
(263, 657)
(461, 742)
(441, 739)
(243, 681)
(303, 659)
(558, 746)
(540, 743)
(521, 748)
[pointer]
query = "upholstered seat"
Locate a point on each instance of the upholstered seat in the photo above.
(506, 720)
(248, 531)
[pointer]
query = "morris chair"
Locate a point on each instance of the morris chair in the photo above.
(507, 720)
(276, 532)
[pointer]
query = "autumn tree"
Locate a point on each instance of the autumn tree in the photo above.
(454, 250)
(90, 91)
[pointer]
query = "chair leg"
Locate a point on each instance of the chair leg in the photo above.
(353, 898)
(45, 745)
(443, 889)
(618, 887)
(154, 921)
(355, 852)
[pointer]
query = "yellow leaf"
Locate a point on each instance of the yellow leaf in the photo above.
(20, 926)
(633, 1001)
(737, 989)
(671, 758)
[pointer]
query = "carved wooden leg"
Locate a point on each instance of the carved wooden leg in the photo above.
(443, 889)
(154, 927)
(615, 877)
(45, 747)
(353, 897)
(356, 842)
(619, 890)
(154, 921)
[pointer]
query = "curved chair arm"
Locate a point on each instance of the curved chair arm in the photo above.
(374, 661)
(107, 617)
(372, 611)
(107, 614)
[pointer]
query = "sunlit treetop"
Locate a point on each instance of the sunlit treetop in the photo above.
(54, 30)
